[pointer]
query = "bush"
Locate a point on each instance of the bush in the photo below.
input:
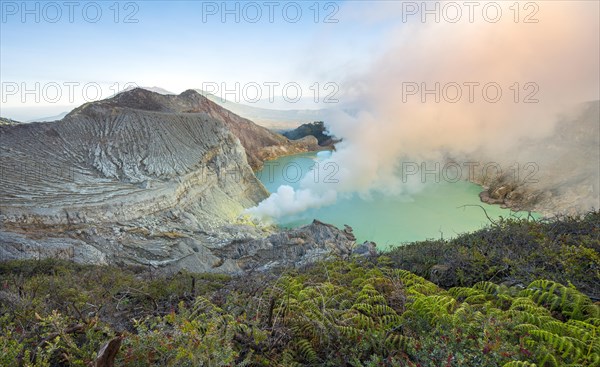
(513, 301)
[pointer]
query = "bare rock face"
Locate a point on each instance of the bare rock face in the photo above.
(140, 178)
(260, 143)
(557, 174)
(107, 162)
(295, 247)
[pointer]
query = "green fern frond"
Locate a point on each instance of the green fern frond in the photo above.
(461, 293)
(487, 287)
(476, 299)
(528, 305)
(549, 360)
(306, 350)
(526, 328)
(381, 310)
(364, 308)
(391, 321)
(557, 297)
(399, 342)
(562, 345)
(519, 364)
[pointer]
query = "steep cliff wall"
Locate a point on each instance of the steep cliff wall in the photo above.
(260, 143)
(141, 178)
(114, 162)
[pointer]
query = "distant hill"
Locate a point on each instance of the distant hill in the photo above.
(50, 118)
(274, 119)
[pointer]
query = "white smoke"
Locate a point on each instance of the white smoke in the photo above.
(287, 201)
(555, 61)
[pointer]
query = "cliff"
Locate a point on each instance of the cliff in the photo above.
(140, 178)
(120, 159)
(260, 143)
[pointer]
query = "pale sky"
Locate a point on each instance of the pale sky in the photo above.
(55, 55)
(73, 47)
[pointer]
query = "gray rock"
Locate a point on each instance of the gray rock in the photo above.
(555, 174)
(147, 179)
(366, 249)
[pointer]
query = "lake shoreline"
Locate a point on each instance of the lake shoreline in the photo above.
(434, 211)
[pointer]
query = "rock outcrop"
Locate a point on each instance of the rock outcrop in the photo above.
(140, 178)
(231, 249)
(556, 174)
(260, 143)
(316, 129)
(120, 159)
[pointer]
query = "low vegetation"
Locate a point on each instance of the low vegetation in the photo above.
(518, 293)
(512, 252)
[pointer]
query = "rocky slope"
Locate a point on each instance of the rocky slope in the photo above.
(260, 143)
(119, 159)
(557, 174)
(139, 178)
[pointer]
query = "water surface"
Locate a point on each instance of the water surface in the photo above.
(435, 212)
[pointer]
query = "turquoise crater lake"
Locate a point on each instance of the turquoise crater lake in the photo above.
(437, 210)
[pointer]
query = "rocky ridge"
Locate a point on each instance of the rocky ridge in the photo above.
(144, 178)
(259, 142)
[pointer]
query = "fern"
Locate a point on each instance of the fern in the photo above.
(432, 308)
(306, 350)
(400, 342)
(487, 288)
(462, 293)
(519, 364)
(414, 283)
(526, 304)
(557, 297)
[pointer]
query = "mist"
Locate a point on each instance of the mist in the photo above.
(451, 89)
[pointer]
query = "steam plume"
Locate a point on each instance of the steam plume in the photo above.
(558, 56)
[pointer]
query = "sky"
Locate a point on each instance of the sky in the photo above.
(72, 47)
(55, 55)
(424, 78)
